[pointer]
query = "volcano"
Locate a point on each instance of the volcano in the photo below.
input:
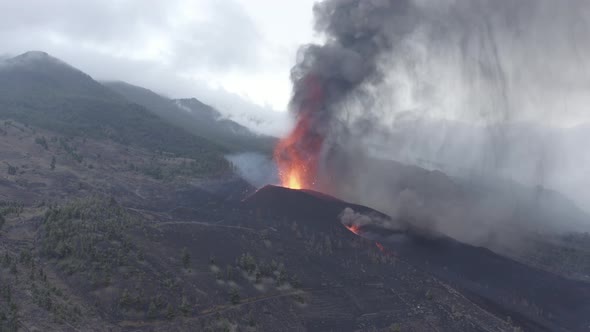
(302, 204)
(533, 299)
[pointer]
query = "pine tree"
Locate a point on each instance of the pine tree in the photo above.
(125, 299)
(152, 310)
(186, 258)
(185, 306)
(170, 311)
(234, 296)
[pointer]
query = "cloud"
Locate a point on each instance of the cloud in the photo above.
(184, 32)
(227, 37)
(218, 51)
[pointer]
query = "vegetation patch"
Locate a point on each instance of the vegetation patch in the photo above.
(88, 236)
(8, 208)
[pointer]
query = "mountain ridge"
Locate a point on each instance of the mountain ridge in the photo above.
(40, 90)
(195, 117)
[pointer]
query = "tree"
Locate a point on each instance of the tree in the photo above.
(7, 260)
(125, 299)
(328, 245)
(234, 296)
(42, 141)
(32, 273)
(11, 170)
(53, 163)
(152, 310)
(394, 327)
(186, 258)
(247, 262)
(229, 273)
(281, 277)
(7, 293)
(295, 282)
(170, 311)
(185, 307)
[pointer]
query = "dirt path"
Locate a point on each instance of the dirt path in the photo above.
(206, 224)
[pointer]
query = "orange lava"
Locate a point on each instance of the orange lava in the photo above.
(353, 228)
(297, 154)
(380, 246)
(295, 162)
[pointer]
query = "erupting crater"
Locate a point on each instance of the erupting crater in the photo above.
(297, 155)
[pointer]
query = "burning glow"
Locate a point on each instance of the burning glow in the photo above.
(297, 154)
(353, 228)
(293, 179)
(380, 246)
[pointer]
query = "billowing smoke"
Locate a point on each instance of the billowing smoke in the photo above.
(351, 218)
(478, 93)
(357, 33)
(256, 168)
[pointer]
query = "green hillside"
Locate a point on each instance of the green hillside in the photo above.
(42, 91)
(196, 117)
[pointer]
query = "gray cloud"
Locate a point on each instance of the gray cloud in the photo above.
(180, 48)
(227, 37)
(224, 35)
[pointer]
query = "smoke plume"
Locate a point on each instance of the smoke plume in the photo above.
(478, 93)
(256, 168)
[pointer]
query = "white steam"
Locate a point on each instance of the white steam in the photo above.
(256, 168)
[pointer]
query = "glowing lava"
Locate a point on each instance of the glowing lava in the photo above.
(380, 246)
(297, 155)
(353, 228)
(293, 180)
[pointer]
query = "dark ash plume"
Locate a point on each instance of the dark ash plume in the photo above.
(448, 85)
(357, 33)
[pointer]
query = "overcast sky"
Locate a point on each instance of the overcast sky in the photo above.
(237, 54)
(209, 49)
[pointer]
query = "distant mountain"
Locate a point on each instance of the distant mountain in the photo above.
(39, 75)
(196, 117)
(40, 90)
(532, 154)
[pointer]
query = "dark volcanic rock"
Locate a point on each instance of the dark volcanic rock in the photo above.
(534, 299)
(303, 204)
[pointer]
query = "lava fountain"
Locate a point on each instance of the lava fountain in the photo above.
(297, 155)
(358, 34)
